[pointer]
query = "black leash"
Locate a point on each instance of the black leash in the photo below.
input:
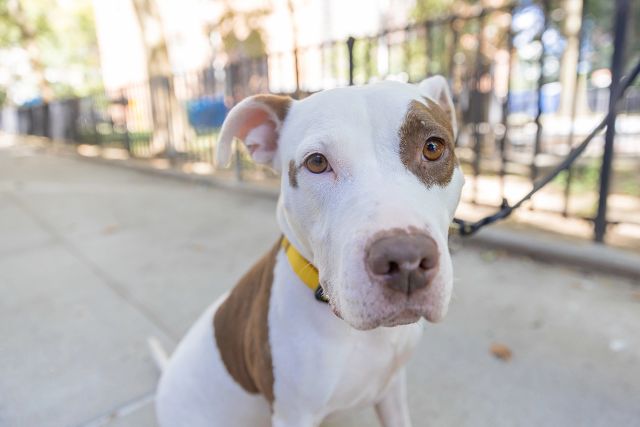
(466, 228)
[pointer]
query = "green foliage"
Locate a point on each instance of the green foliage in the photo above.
(250, 46)
(584, 177)
(59, 39)
(599, 18)
(21, 20)
(428, 9)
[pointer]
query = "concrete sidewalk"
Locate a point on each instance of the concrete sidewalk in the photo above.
(95, 259)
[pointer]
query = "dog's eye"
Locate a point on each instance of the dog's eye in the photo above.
(316, 163)
(433, 148)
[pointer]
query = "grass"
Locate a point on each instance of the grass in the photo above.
(585, 178)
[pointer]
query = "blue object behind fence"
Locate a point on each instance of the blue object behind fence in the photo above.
(207, 113)
(526, 101)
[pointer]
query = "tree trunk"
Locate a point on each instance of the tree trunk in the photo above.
(168, 124)
(569, 62)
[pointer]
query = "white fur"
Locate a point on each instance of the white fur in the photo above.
(321, 364)
(197, 391)
(315, 377)
(324, 364)
(369, 190)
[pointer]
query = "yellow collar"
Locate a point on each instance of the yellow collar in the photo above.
(305, 271)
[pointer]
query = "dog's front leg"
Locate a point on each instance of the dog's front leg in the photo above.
(393, 409)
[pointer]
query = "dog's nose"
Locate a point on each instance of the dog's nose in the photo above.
(404, 262)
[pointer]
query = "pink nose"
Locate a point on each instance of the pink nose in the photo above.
(403, 262)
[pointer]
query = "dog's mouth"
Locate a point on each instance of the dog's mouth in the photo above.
(395, 310)
(411, 312)
(404, 317)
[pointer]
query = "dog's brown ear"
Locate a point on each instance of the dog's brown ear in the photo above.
(256, 121)
(436, 88)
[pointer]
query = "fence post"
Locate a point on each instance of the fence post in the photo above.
(123, 102)
(46, 122)
(93, 114)
(617, 67)
(239, 174)
(350, 43)
(476, 107)
(505, 108)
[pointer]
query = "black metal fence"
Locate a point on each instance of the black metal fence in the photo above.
(515, 122)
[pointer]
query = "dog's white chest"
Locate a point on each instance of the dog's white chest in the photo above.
(320, 360)
(372, 359)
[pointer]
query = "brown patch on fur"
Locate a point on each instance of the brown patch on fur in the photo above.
(293, 174)
(242, 330)
(279, 104)
(420, 123)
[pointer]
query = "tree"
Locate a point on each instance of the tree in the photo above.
(168, 122)
(27, 29)
(599, 16)
(425, 9)
(238, 40)
(153, 37)
(240, 31)
(56, 40)
(569, 81)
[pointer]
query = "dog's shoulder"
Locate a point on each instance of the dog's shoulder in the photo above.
(242, 330)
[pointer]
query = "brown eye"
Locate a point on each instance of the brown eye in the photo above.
(433, 148)
(316, 163)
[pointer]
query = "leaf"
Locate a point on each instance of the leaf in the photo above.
(110, 229)
(501, 351)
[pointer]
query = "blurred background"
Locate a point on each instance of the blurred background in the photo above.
(94, 92)
(154, 79)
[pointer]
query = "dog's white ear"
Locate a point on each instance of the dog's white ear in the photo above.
(436, 88)
(256, 121)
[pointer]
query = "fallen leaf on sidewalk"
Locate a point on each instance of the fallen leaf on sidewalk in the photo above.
(501, 351)
(110, 229)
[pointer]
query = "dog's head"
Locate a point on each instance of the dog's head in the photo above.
(370, 183)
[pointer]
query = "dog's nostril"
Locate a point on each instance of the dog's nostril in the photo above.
(424, 264)
(393, 267)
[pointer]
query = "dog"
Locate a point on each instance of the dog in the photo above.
(328, 318)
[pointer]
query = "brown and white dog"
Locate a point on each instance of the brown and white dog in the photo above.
(369, 187)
